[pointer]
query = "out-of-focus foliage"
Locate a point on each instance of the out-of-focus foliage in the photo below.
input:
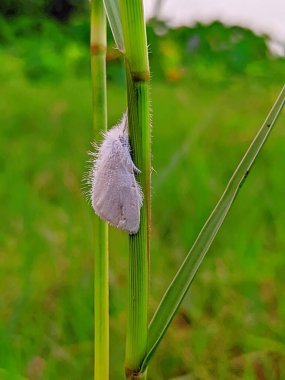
(45, 49)
(58, 9)
(211, 88)
(211, 52)
(49, 50)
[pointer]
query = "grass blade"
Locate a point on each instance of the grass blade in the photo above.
(184, 277)
(138, 77)
(112, 9)
(98, 43)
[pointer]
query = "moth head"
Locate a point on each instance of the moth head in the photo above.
(124, 141)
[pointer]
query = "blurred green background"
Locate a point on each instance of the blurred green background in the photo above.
(212, 86)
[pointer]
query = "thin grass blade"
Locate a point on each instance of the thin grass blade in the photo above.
(98, 40)
(112, 9)
(184, 277)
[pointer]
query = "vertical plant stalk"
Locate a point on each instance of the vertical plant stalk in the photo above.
(137, 73)
(101, 258)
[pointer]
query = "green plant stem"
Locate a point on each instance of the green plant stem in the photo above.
(137, 72)
(101, 257)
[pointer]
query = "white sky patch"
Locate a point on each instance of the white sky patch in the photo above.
(262, 16)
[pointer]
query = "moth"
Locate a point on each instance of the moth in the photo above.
(116, 195)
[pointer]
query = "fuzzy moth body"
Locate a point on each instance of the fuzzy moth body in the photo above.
(116, 195)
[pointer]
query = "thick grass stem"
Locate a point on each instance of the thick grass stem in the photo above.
(137, 72)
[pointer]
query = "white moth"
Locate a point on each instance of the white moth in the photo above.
(116, 196)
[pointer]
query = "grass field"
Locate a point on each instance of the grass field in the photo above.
(231, 325)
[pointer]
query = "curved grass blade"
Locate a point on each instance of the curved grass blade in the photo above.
(112, 9)
(184, 277)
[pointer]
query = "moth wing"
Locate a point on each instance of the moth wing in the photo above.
(131, 199)
(116, 195)
(106, 200)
